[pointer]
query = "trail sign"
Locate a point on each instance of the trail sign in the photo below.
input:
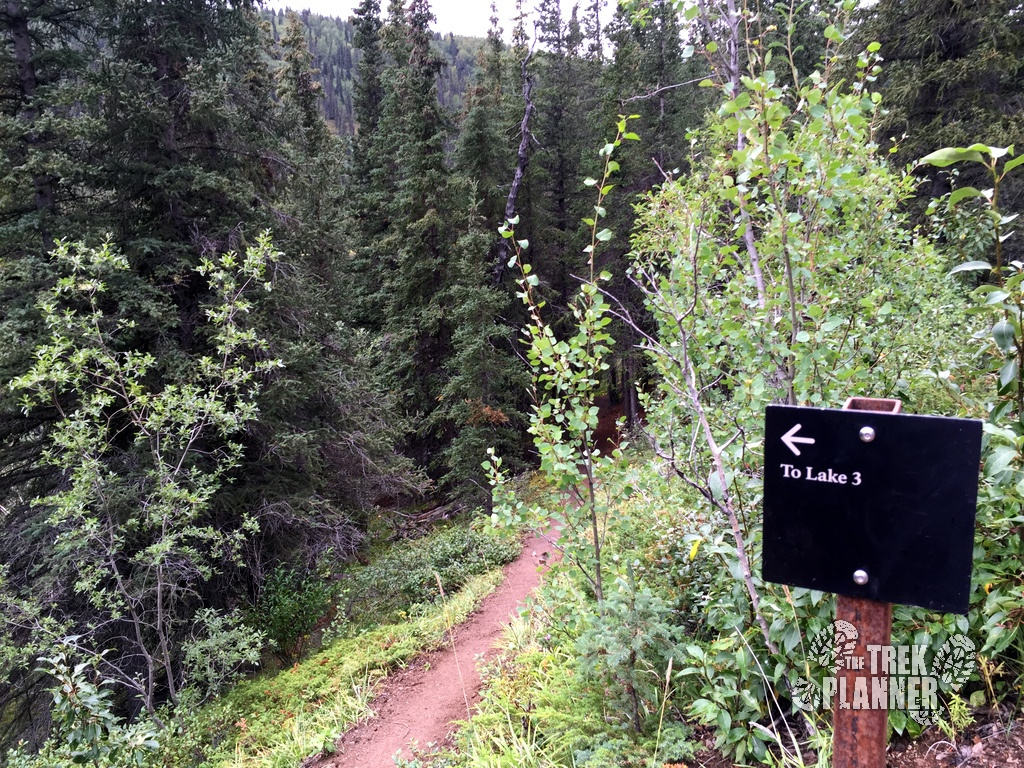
(871, 505)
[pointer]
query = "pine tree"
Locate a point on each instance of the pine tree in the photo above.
(951, 77)
(173, 141)
(417, 324)
(483, 150)
(482, 403)
(564, 128)
(368, 93)
(649, 76)
(298, 85)
(313, 492)
(44, 47)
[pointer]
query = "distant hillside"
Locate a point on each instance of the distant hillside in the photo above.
(330, 42)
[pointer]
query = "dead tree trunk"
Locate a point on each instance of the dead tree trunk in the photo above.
(522, 160)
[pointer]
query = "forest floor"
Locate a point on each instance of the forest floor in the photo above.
(987, 745)
(420, 705)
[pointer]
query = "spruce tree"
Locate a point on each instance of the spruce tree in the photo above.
(951, 77)
(565, 130)
(417, 325)
(175, 143)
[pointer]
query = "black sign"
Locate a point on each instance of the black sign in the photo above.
(870, 504)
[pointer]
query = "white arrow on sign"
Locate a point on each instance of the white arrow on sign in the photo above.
(790, 439)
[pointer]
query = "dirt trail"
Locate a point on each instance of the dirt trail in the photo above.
(420, 703)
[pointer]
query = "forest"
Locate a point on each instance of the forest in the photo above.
(305, 322)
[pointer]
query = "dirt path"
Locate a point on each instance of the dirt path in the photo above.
(419, 704)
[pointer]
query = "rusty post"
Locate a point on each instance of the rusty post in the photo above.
(859, 735)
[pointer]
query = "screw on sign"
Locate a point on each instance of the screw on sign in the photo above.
(863, 502)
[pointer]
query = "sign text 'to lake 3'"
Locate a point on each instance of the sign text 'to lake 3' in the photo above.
(870, 504)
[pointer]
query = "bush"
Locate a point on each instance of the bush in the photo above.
(405, 575)
(289, 607)
(86, 730)
(626, 648)
(222, 649)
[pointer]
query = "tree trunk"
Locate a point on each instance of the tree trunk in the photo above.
(522, 160)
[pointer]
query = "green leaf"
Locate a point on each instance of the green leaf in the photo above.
(999, 411)
(996, 152)
(1008, 377)
(1011, 164)
(604, 235)
(898, 720)
(712, 47)
(970, 266)
(1003, 333)
(940, 158)
(962, 194)
(724, 720)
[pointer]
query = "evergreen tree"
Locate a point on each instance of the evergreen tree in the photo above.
(651, 77)
(951, 77)
(368, 94)
(482, 403)
(313, 492)
(372, 172)
(417, 324)
(566, 130)
(483, 150)
(44, 49)
(175, 142)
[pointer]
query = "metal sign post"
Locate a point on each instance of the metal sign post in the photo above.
(859, 736)
(864, 502)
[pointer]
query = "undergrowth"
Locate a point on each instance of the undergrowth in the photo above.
(403, 576)
(540, 709)
(388, 612)
(280, 720)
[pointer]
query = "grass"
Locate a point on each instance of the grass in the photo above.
(537, 711)
(279, 720)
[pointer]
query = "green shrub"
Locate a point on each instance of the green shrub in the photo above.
(289, 607)
(85, 729)
(404, 576)
(541, 708)
(223, 647)
(626, 649)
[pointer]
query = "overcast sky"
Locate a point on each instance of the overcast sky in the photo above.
(463, 17)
